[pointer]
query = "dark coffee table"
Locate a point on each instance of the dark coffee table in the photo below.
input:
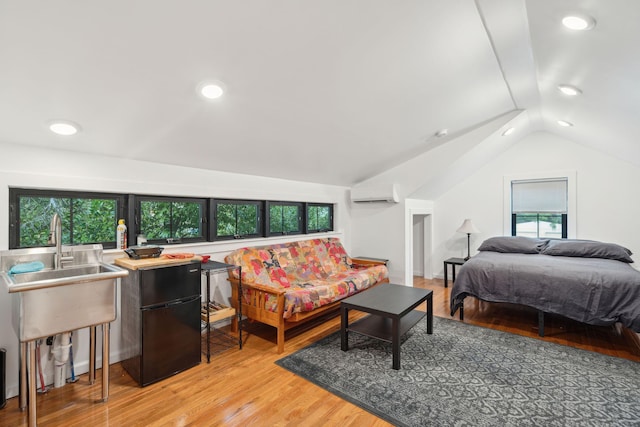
(391, 311)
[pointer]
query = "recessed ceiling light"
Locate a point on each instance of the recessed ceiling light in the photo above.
(564, 123)
(508, 131)
(569, 90)
(64, 127)
(578, 22)
(212, 90)
(442, 132)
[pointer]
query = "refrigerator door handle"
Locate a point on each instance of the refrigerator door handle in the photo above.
(182, 301)
(170, 304)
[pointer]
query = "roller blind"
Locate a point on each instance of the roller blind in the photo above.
(549, 195)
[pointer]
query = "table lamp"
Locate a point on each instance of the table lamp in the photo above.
(468, 227)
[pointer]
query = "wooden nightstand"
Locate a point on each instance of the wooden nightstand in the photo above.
(453, 262)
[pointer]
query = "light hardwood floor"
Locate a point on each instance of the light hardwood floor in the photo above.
(245, 387)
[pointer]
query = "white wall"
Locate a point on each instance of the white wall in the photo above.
(52, 169)
(385, 230)
(607, 208)
(379, 228)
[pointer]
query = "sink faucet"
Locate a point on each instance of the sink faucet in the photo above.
(55, 238)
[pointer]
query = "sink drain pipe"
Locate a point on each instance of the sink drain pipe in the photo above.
(61, 357)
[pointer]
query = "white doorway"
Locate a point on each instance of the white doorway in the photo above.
(418, 245)
(421, 247)
(418, 239)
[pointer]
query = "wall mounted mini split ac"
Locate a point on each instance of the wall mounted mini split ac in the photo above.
(381, 193)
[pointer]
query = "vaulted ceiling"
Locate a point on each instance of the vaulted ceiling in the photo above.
(331, 91)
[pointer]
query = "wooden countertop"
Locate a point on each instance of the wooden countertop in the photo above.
(135, 264)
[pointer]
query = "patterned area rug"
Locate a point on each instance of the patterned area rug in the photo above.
(465, 375)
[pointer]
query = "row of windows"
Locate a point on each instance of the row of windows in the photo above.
(92, 218)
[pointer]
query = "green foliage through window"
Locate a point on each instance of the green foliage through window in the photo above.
(319, 218)
(85, 220)
(89, 218)
(237, 219)
(284, 218)
(162, 219)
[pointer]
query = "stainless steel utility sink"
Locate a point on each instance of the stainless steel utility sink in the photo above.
(75, 290)
(49, 301)
(69, 275)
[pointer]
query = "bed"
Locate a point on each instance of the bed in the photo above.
(584, 280)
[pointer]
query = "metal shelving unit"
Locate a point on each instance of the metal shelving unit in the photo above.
(215, 267)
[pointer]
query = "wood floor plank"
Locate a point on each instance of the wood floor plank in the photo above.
(245, 387)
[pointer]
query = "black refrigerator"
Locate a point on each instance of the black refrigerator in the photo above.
(161, 321)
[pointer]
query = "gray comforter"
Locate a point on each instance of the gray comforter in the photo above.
(590, 290)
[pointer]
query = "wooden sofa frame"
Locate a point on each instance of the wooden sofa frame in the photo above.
(254, 308)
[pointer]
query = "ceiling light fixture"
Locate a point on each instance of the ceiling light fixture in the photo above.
(569, 90)
(578, 22)
(64, 127)
(565, 123)
(211, 90)
(442, 132)
(508, 132)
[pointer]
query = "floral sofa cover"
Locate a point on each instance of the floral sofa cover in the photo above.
(313, 273)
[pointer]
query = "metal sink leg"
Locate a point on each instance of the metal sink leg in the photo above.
(105, 361)
(105, 358)
(23, 376)
(92, 354)
(31, 379)
(28, 387)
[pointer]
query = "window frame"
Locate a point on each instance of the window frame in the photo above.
(137, 218)
(213, 231)
(128, 207)
(306, 217)
(15, 193)
(569, 175)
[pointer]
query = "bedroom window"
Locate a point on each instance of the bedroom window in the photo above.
(539, 208)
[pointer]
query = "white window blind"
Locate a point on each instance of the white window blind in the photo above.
(549, 195)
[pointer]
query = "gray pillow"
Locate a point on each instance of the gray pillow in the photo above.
(587, 249)
(513, 244)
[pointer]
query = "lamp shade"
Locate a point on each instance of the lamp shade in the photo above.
(467, 227)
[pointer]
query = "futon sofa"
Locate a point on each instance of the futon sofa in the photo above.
(289, 283)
